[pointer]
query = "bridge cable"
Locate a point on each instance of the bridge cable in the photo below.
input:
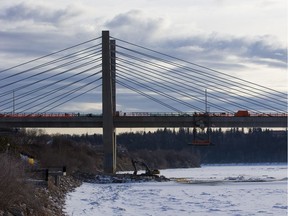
(253, 101)
(46, 94)
(45, 56)
(240, 88)
(202, 73)
(182, 93)
(25, 94)
(191, 63)
(202, 100)
(60, 97)
(159, 92)
(72, 98)
(148, 96)
(49, 99)
(63, 58)
(46, 71)
(177, 91)
(52, 76)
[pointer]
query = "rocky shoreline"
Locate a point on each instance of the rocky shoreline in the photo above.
(57, 194)
(52, 199)
(119, 178)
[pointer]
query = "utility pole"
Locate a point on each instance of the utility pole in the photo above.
(206, 106)
(107, 107)
(13, 112)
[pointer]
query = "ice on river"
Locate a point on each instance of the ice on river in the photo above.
(209, 190)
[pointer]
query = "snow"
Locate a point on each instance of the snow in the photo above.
(209, 190)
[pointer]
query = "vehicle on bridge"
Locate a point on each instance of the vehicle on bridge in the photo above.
(242, 113)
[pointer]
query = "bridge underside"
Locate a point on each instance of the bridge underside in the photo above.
(145, 122)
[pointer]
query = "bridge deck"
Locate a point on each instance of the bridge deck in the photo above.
(143, 121)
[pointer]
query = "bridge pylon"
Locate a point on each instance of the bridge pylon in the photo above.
(108, 102)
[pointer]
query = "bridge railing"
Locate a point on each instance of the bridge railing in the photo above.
(137, 114)
(37, 115)
(220, 114)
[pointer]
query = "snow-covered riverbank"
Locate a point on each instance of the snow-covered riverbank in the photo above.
(209, 190)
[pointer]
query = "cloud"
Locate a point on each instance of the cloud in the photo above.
(223, 48)
(214, 47)
(50, 25)
(31, 31)
(84, 107)
(22, 11)
(134, 25)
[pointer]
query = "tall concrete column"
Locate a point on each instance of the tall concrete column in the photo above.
(113, 73)
(113, 77)
(107, 107)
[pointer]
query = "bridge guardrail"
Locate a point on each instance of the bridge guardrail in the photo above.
(211, 114)
(135, 114)
(35, 115)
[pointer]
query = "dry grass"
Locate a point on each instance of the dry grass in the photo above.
(11, 176)
(15, 193)
(75, 156)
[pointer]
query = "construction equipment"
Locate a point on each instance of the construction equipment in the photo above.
(201, 143)
(242, 113)
(203, 140)
(148, 171)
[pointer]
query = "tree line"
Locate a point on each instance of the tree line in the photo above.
(254, 145)
(229, 146)
(234, 145)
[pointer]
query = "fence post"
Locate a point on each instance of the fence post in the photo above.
(57, 180)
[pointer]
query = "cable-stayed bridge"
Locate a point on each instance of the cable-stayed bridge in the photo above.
(108, 73)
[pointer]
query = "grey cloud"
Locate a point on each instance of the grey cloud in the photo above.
(22, 12)
(29, 45)
(131, 19)
(254, 50)
(208, 50)
(36, 44)
(262, 50)
(134, 26)
(214, 47)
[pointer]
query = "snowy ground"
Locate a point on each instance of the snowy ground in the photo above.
(209, 190)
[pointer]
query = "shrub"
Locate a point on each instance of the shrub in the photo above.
(10, 176)
(75, 156)
(14, 191)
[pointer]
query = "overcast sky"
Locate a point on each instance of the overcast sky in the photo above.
(246, 38)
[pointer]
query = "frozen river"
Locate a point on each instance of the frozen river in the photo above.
(209, 190)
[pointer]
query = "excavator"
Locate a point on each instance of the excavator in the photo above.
(148, 171)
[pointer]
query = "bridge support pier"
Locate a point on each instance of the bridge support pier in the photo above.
(109, 137)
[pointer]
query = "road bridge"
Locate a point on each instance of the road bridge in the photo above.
(148, 121)
(140, 70)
